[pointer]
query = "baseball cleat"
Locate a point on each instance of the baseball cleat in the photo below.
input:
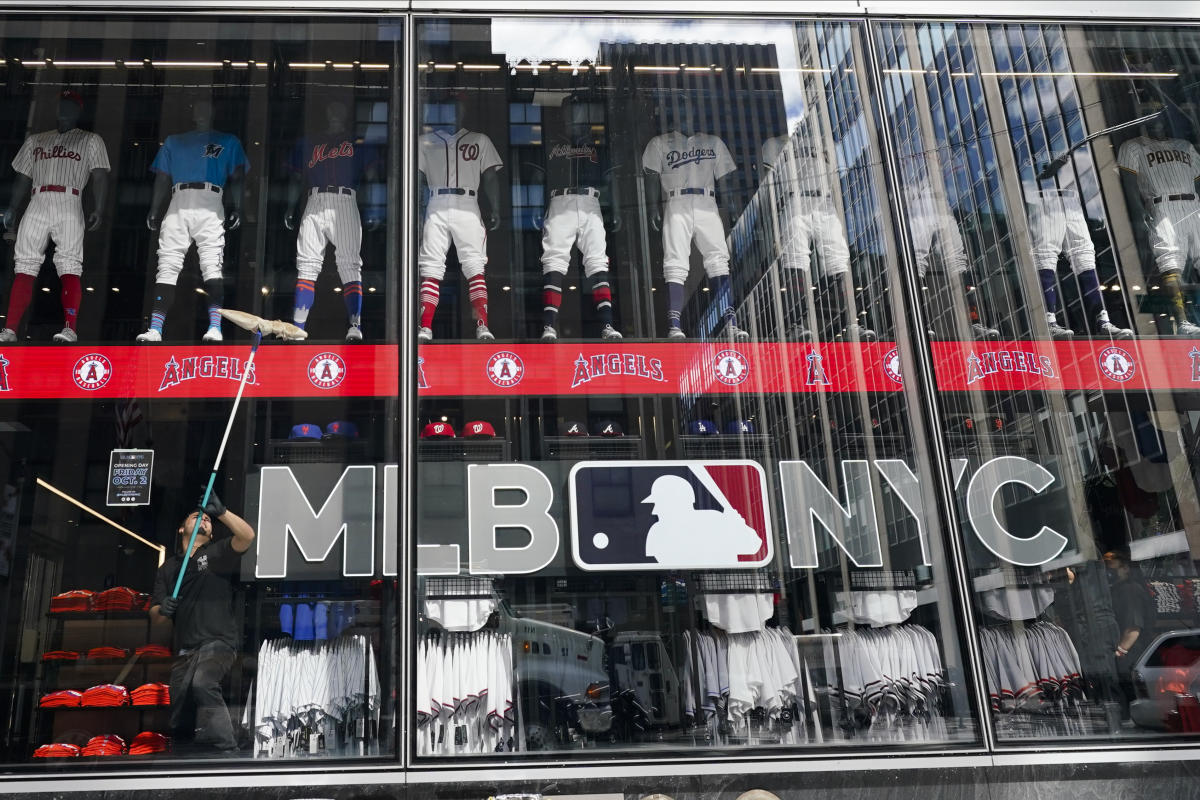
(483, 334)
(66, 336)
(736, 334)
(150, 336)
(610, 333)
(1058, 331)
(549, 334)
(8, 335)
(1106, 328)
(981, 331)
(424, 334)
(354, 335)
(213, 335)
(858, 333)
(1185, 328)
(676, 333)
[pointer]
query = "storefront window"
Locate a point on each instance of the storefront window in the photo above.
(1049, 176)
(158, 172)
(670, 491)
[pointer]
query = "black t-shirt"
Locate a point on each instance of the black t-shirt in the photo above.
(1134, 608)
(205, 611)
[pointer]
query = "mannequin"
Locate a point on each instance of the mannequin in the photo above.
(52, 170)
(200, 170)
(683, 167)
(327, 167)
(455, 165)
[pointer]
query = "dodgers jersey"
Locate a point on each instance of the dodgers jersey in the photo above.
(208, 156)
(455, 160)
(576, 163)
(1162, 166)
(61, 159)
(326, 160)
(688, 162)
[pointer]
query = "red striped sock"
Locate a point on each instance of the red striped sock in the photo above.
(431, 289)
(477, 293)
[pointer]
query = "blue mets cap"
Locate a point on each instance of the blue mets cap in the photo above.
(305, 430)
(341, 429)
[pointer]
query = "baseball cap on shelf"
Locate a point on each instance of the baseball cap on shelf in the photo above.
(608, 428)
(479, 430)
(702, 427)
(341, 429)
(438, 430)
(574, 429)
(305, 430)
(736, 426)
(73, 96)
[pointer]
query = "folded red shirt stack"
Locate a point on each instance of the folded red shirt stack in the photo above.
(107, 745)
(74, 600)
(60, 655)
(57, 751)
(151, 694)
(148, 742)
(106, 694)
(118, 598)
(154, 651)
(67, 698)
(108, 654)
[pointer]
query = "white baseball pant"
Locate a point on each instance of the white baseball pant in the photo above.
(194, 215)
(691, 217)
(1058, 226)
(940, 232)
(330, 218)
(818, 226)
(56, 216)
(574, 220)
(452, 218)
(1175, 234)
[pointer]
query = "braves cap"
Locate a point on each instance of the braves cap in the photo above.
(479, 430)
(341, 429)
(438, 430)
(73, 96)
(574, 429)
(305, 430)
(736, 426)
(608, 428)
(702, 427)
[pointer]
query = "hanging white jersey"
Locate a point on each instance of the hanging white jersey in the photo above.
(1163, 167)
(688, 162)
(61, 159)
(456, 160)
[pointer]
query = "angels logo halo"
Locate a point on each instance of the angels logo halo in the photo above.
(326, 370)
(891, 365)
(656, 515)
(92, 371)
(505, 369)
(1117, 364)
(731, 367)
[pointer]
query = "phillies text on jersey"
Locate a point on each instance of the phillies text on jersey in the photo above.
(61, 159)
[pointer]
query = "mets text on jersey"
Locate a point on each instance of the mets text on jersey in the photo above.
(323, 152)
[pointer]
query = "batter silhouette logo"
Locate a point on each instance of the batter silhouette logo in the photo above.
(891, 365)
(505, 369)
(326, 370)
(655, 515)
(731, 367)
(1117, 364)
(92, 372)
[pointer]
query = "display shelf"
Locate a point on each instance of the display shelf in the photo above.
(98, 615)
(157, 707)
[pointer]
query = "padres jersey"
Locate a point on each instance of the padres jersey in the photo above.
(1162, 166)
(331, 161)
(195, 156)
(455, 160)
(576, 163)
(790, 172)
(61, 159)
(688, 162)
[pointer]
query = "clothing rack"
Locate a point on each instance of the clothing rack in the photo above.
(746, 582)
(460, 588)
(1009, 575)
(873, 579)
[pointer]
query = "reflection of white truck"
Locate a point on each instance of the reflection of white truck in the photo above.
(642, 667)
(561, 677)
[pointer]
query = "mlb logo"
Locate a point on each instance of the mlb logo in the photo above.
(658, 515)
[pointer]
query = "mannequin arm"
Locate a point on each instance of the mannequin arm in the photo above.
(295, 190)
(20, 196)
(99, 181)
(234, 189)
(490, 184)
(653, 185)
(162, 188)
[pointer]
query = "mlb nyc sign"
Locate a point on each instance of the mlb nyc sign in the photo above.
(314, 521)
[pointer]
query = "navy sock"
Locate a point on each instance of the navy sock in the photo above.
(1049, 289)
(674, 303)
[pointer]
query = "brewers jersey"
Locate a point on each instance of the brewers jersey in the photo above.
(455, 160)
(61, 159)
(695, 161)
(200, 157)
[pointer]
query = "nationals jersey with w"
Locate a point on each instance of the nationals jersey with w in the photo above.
(688, 162)
(455, 160)
(61, 159)
(200, 156)
(576, 163)
(326, 160)
(1162, 166)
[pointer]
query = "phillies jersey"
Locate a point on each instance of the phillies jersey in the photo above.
(61, 159)
(326, 160)
(576, 163)
(455, 160)
(200, 156)
(1162, 166)
(688, 162)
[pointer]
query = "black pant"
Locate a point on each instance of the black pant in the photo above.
(196, 695)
